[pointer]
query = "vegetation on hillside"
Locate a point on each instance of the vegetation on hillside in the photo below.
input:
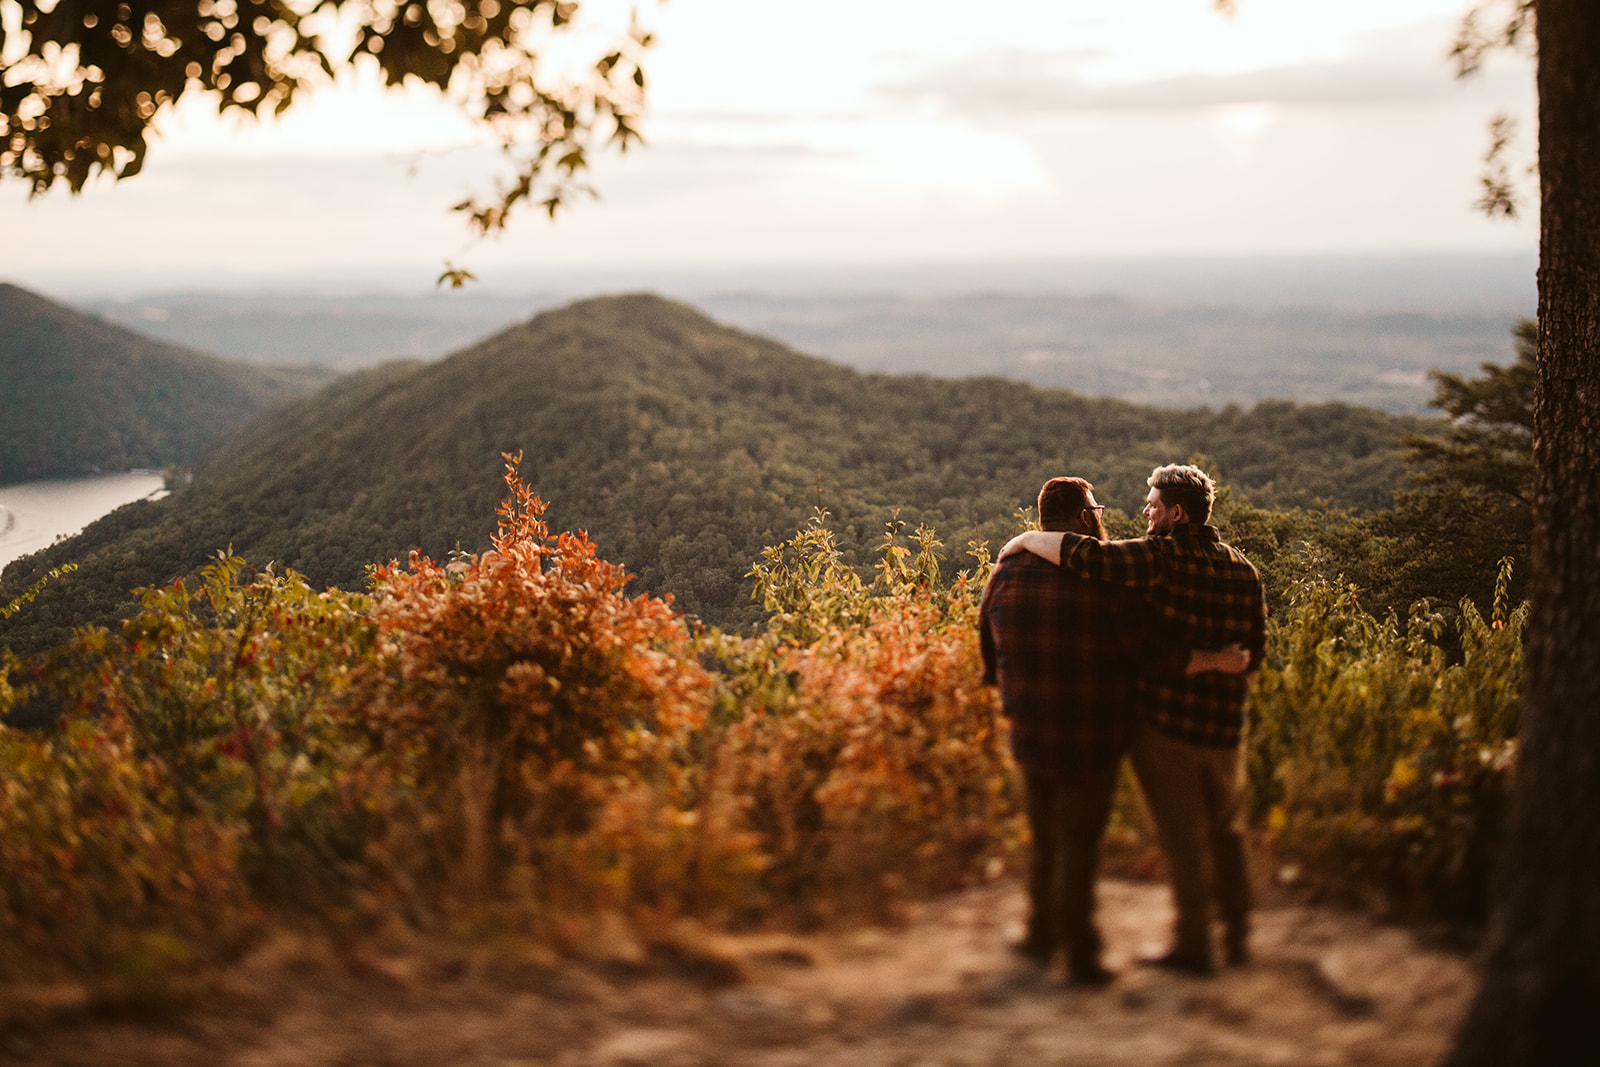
(513, 740)
(684, 448)
(510, 742)
(1382, 747)
(79, 395)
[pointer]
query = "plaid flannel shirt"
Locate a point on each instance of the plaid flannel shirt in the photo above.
(1205, 595)
(1062, 650)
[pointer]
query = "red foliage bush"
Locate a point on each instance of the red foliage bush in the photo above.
(531, 728)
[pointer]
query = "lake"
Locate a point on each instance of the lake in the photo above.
(35, 514)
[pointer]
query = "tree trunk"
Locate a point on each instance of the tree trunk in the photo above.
(1540, 999)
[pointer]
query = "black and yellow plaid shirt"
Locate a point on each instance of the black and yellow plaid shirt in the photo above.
(1205, 595)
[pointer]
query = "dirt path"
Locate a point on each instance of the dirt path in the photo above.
(1327, 988)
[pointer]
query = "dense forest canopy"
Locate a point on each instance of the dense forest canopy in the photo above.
(684, 448)
(79, 394)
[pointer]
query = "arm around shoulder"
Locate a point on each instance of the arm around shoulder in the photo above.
(1234, 659)
(1040, 543)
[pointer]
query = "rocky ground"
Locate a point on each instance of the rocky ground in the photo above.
(1326, 988)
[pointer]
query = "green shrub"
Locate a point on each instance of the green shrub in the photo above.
(195, 775)
(883, 773)
(92, 867)
(1375, 759)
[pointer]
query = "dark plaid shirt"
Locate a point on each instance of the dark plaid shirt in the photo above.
(1205, 595)
(1062, 651)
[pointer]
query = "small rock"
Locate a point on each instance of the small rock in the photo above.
(1350, 1005)
(1215, 1007)
(767, 1005)
(914, 1011)
(642, 1047)
(1008, 985)
(701, 962)
(1135, 999)
(785, 957)
(764, 1016)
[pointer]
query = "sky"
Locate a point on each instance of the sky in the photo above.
(784, 133)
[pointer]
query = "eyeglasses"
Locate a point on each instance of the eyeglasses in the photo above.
(1098, 509)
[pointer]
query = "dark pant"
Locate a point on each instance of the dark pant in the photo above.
(1067, 814)
(1195, 795)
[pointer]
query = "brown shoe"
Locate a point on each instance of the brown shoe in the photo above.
(1180, 962)
(1032, 951)
(1093, 976)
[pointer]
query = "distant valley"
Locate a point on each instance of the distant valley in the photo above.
(1180, 357)
(1178, 335)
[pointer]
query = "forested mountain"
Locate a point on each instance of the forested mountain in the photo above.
(78, 394)
(683, 447)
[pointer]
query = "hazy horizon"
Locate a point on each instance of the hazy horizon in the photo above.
(1168, 332)
(1435, 281)
(860, 133)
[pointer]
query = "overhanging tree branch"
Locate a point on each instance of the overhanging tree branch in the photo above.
(82, 81)
(1488, 27)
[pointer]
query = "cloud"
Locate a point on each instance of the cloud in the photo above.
(1403, 67)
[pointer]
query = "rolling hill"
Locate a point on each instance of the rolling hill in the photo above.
(78, 394)
(683, 447)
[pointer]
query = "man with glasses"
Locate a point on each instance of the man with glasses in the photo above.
(1188, 749)
(1065, 652)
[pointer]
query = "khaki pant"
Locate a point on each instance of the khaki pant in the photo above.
(1194, 791)
(1067, 815)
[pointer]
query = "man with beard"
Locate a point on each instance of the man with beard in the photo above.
(1188, 749)
(1065, 652)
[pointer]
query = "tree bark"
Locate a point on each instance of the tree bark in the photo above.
(1540, 998)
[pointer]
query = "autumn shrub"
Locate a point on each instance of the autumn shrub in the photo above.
(194, 775)
(878, 768)
(183, 781)
(228, 695)
(1379, 761)
(509, 738)
(95, 877)
(533, 731)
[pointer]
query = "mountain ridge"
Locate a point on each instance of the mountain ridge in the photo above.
(684, 447)
(78, 394)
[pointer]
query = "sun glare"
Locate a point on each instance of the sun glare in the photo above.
(1243, 122)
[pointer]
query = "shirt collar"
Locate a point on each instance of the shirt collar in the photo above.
(1194, 531)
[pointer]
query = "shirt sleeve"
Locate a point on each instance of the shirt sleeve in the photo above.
(985, 635)
(1135, 563)
(1258, 627)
